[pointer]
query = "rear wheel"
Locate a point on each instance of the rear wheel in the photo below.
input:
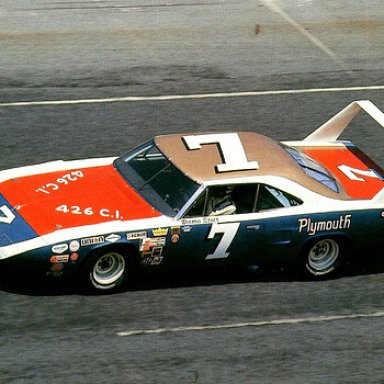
(106, 271)
(324, 257)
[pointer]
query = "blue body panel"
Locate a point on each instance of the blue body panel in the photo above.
(16, 231)
(255, 241)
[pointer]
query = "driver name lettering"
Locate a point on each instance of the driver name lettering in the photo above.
(200, 220)
(312, 227)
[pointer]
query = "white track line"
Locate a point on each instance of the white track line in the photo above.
(189, 97)
(271, 4)
(318, 319)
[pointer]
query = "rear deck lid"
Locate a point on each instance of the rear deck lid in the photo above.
(361, 177)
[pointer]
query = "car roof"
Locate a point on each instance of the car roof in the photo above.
(201, 165)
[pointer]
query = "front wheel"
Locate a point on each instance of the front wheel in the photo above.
(106, 271)
(324, 257)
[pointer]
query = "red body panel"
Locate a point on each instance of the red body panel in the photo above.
(361, 177)
(74, 198)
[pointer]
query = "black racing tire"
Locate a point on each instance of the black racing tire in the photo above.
(324, 257)
(106, 271)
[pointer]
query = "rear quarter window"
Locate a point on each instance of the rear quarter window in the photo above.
(313, 169)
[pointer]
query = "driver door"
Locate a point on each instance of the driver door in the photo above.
(246, 234)
(216, 233)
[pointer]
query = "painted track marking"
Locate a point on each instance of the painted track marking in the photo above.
(219, 95)
(303, 320)
(271, 4)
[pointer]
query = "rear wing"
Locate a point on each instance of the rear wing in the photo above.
(360, 176)
(334, 127)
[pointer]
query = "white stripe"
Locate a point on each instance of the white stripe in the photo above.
(271, 4)
(189, 97)
(90, 230)
(53, 166)
(318, 319)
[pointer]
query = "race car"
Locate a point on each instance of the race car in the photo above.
(196, 200)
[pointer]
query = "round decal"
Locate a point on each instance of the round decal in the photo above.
(175, 238)
(74, 246)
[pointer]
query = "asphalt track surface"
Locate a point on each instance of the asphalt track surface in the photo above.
(216, 327)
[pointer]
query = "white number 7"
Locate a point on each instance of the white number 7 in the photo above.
(352, 173)
(6, 215)
(229, 231)
(231, 148)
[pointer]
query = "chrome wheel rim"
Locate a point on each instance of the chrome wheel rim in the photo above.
(323, 256)
(108, 268)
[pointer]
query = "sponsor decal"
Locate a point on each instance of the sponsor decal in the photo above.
(113, 238)
(157, 251)
(59, 248)
(186, 228)
(160, 232)
(151, 242)
(154, 257)
(74, 256)
(312, 227)
(74, 246)
(57, 267)
(175, 238)
(175, 230)
(154, 260)
(136, 235)
(255, 226)
(59, 259)
(92, 241)
(152, 250)
(200, 220)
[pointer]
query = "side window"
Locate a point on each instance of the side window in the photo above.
(244, 196)
(240, 199)
(271, 198)
(224, 200)
(220, 201)
(197, 207)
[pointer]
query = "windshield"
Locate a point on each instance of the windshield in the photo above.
(156, 179)
(313, 168)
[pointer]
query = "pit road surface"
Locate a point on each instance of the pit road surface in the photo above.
(219, 327)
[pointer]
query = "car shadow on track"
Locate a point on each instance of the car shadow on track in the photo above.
(246, 275)
(24, 285)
